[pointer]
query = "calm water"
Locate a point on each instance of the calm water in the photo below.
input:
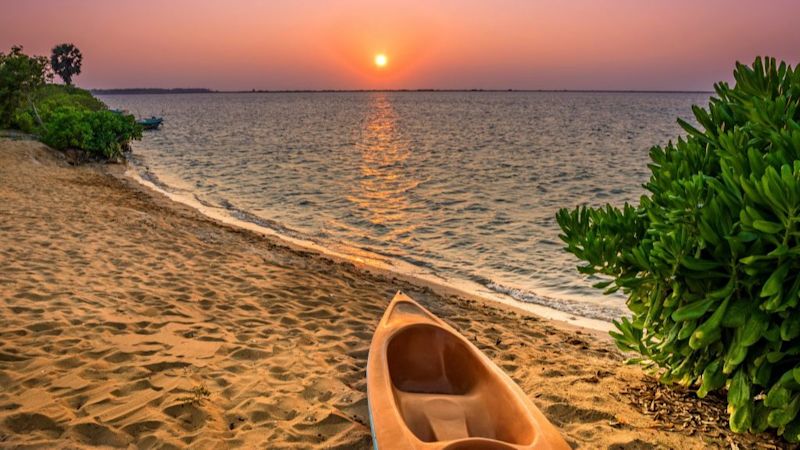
(464, 184)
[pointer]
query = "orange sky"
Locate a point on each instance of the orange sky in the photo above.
(500, 44)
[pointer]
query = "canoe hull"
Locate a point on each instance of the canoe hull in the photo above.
(429, 388)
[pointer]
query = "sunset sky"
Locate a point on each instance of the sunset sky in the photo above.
(333, 44)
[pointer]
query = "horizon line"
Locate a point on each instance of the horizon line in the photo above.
(144, 91)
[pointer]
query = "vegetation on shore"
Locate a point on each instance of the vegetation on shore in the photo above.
(62, 116)
(710, 258)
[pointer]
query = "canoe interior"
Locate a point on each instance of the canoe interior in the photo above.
(445, 393)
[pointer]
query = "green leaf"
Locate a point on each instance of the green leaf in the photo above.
(739, 390)
(700, 265)
(713, 378)
(775, 281)
(766, 226)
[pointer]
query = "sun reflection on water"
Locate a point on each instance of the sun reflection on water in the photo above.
(382, 193)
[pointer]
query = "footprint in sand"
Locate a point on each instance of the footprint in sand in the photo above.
(248, 353)
(98, 435)
(188, 415)
(563, 413)
(24, 423)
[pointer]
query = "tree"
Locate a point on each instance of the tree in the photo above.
(20, 75)
(66, 62)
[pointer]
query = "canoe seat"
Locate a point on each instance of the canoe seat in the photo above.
(446, 418)
(443, 395)
(460, 419)
(435, 417)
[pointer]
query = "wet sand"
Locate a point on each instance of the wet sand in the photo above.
(131, 321)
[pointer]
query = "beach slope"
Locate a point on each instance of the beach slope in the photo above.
(131, 320)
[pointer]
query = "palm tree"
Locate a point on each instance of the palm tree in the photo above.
(66, 62)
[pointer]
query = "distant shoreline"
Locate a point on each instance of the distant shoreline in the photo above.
(157, 91)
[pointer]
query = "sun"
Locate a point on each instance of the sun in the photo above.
(381, 60)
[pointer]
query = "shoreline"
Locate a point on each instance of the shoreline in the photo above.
(393, 268)
(133, 320)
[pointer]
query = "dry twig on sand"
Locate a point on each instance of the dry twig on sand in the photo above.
(675, 408)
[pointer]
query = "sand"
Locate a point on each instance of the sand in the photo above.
(131, 321)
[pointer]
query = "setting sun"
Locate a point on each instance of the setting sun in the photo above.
(381, 60)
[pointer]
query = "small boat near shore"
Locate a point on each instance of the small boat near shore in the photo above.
(150, 123)
(428, 387)
(147, 123)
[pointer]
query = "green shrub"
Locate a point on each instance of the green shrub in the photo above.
(74, 118)
(101, 133)
(50, 97)
(111, 132)
(63, 116)
(20, 75)
(67, 127)
(709, 258)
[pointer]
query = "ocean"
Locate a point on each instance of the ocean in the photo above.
(461, 186)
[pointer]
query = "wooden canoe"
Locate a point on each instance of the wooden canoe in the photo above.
(429, 388)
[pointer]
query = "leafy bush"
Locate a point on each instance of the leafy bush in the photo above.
(50, 97)
(101, 133)
(709, 258)
(63, 116)
(20, 75)
(111, 132)
(67, 127)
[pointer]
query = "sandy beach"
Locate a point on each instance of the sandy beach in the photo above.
(135, 322)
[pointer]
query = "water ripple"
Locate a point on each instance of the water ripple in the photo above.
(466, 184)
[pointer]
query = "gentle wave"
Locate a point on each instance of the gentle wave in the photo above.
(589, 310)
(461, 186)
(586, 310)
